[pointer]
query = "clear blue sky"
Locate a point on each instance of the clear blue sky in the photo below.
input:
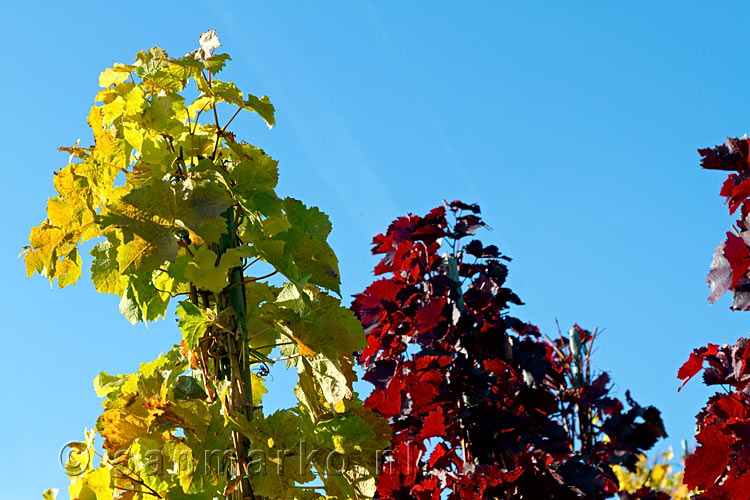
(574, 125)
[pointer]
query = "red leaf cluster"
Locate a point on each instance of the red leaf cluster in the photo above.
(480, 405)
(695, 363)
(731, 262)
(720, 465)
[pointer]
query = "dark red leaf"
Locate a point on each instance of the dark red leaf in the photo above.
(429, 316)
(441, 457)
(429, 233)
(733, 156)
(434, 424)
(709, 460)
(387, 402)
(694, 363)
(738, 255)
(466, 225)
(459, 205)
(739, 194)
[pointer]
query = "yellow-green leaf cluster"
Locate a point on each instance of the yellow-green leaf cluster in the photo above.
(659, 475)
(181, 208)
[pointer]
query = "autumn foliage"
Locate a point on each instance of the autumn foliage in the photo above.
(186, 211)
(720, 465)
(481, 405)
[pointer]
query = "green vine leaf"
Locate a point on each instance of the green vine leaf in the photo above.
(263, 107)
(94, 485)
(193, 323)
(105, 272)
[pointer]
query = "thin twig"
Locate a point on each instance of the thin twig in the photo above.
(137, 481)
(251, 280)
(273, 345)
(282, 358)
(218, 127)
(554, 346)
(224, 128)
(135, 491)
(184, 245)
(250, 264)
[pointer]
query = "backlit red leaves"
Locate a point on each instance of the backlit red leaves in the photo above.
(429, 316)
(443, 457)
(709, 460)
(736, 487)
(720, 466)
(434, 424)
(733, 156)
(734, 253)
(695, 363)
(453, 372)
(387, 402)
(739, 192)
(738, 255)
(721, 462)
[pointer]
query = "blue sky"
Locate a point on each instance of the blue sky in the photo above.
(574, 126)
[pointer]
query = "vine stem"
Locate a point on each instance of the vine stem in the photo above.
(240, 394)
